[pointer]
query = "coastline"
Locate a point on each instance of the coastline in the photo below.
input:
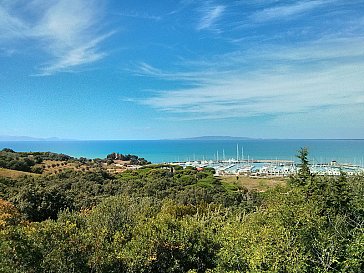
(157, 151)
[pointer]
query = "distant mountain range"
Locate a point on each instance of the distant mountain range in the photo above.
(28, 138)
(217, 138)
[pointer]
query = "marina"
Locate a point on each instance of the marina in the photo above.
(228, 157)
(269, 167)
(320, 151)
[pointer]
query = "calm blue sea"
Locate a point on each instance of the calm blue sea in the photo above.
(183, 150)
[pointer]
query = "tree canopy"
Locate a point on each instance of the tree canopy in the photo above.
(168, 219)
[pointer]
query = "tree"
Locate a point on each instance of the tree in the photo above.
(39, 203)
(9, 215)
(8, 150)
(304, 172)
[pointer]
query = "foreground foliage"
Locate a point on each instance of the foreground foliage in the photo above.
(164, 219)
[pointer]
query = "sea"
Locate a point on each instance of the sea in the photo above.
(158, 151)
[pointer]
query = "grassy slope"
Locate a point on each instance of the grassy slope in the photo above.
(259, 184)
(14, 174)
(229, 182)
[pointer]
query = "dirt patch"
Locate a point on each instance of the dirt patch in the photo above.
(252, 183)
(14, 174)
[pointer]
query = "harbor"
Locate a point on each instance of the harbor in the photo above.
(269, 167)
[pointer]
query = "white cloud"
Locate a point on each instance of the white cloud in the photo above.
(266, 94)
(200, 78)
(140, 15)
(323, 49)
(86, 53)
(322, 74)
(287, 11)
(68, 30)
(210, 15)
(10, 26)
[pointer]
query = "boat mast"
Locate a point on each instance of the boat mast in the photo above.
(237, 152)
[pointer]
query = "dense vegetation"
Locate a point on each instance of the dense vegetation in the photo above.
(168, 219)
(134, 159)
(26, 161)
(37, 162)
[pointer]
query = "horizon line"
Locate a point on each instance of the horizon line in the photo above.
(176, 139)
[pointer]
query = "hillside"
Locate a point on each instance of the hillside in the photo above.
(163, 218)
(14, 174)
(217, 138)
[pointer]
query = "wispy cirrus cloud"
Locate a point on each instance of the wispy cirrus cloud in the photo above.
(323, 50)
(74, 57)
(287, 11)
(210, 15)
(321, 75)
(10, 26)
(140, 15)
(266, 94)
(200, 78)
(68, 30)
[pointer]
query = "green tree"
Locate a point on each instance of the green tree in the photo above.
(38, 202)
(304, 173)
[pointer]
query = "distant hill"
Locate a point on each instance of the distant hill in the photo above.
(28, 138)
(217, 138)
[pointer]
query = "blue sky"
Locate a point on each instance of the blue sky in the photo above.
(89, 69)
